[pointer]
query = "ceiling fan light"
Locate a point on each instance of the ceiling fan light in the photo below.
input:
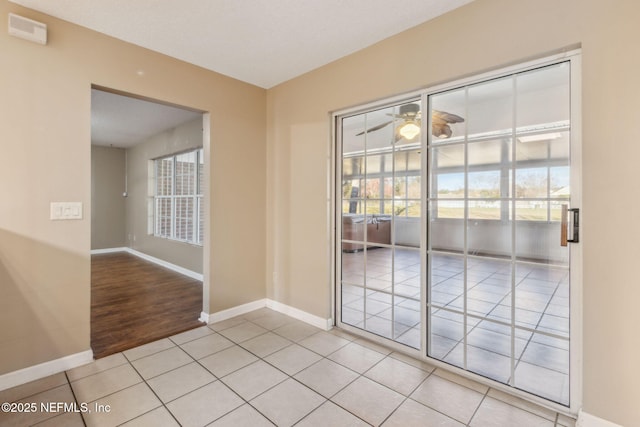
(409, 130)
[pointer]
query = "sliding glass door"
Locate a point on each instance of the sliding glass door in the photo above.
(498, 300)
(453, 231)
(380, 217)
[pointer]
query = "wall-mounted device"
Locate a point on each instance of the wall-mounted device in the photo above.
(65, 210)
(27, 29)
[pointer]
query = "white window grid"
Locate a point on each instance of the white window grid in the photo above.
(178, 213)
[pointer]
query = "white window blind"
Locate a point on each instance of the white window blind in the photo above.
(178, 197)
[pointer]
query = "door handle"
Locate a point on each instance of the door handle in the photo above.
(564, 225)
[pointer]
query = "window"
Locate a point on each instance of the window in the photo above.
(178, 209)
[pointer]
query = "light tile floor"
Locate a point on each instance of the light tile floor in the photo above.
(264, 369)
(389, 305)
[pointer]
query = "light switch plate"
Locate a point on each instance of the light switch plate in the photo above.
(66, 210)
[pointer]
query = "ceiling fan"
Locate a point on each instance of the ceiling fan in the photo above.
(411, 115)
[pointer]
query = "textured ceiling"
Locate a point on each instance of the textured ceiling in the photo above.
(122, 121)
(262, 42)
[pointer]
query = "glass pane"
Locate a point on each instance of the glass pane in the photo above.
(543, 96)
(447, 156)
(539, 241)
(399, 209)
(447, 116)
(490, 107)
(414, 187)
(489, 351)
(543, 368)
(414, 208)
(407, 229)
(353, 206)
(532, 210)
(446, 279)
(379, 266)
(164, 213)
(353, 228)
(449, 185)
(373, 190)
(377, 309)
(493, 153)
(532, 182)
(560, 188)
(446, 229)
(559, 146)
(388, 188)
(485, 184)
(164, 177)
(374, 207)
(374, 164)
(484, 209)
(353, 167)
(400, 187)
(407, 322)
(351, 141)
(184, 218)
(352, 311)
(542, 298)
(353, 264)
(185, 173)
(379, 229)
(414, 161)
(447, 332)
(528, 149)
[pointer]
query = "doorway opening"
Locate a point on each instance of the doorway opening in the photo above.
(149, 214)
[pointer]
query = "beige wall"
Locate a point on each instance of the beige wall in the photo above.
(45, 141)
(483, 35)
(44, 265)
(107, 202)
(181, 138)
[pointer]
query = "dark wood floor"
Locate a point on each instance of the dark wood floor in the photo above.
(134, 302)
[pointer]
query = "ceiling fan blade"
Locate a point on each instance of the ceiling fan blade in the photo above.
(375, 128)
(444, 117)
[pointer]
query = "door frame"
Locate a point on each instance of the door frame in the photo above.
(575, 263)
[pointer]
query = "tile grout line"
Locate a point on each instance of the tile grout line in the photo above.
(479, 405)
(287, 376)
(75, 398)
(162, 404)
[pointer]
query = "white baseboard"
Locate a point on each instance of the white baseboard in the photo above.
(234, 311)
(45, 369)
(588, 420)
(318, 322)
(158, 261)
(108, 250)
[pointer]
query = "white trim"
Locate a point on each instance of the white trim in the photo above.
(317, 321)
(108, 251)
(152, 259)
(588, 420)
(45, 369)
(238, 310)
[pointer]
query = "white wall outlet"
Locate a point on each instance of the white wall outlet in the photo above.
(65, 210)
